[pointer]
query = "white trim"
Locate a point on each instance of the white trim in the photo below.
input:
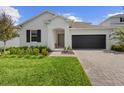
(90, 28)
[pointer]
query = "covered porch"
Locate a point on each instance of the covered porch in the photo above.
(59, 38)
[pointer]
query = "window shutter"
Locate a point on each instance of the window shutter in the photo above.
(121, 19)
(28, 36)
(38, 35)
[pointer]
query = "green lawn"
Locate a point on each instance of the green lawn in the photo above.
(53, 71)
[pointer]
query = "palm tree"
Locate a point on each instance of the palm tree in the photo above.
(7, 28)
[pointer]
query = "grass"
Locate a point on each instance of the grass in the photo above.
(46, 71)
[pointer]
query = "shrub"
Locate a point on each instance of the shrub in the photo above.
(40, 48)
(24, 47)
(33, 57)
(44, 52)
(40, 56)
(13, 50)
(7, 52)
(27, 56)
(20, 51)
(13, 56)
(35, 51)
(29, 51)
(1, 50)
(49, 50)
(118, 47)
(0, 53)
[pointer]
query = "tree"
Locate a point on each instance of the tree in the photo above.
(118, 35)
(7, 28)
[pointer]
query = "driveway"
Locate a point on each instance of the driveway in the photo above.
(102, 68)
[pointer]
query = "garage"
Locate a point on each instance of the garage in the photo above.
(88, 41)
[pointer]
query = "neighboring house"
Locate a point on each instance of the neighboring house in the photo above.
(114, 21)
(57, 32)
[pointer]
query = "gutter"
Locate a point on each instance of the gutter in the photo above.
(110, 28)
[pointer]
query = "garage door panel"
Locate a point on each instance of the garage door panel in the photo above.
(89, 41)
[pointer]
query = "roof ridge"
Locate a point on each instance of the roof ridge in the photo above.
(35, 16)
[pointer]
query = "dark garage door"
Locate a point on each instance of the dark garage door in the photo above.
(88, 41)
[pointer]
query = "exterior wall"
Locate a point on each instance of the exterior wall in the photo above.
(106, 23)
(113, 22)
(48, 34)
(91, 32)
(57, 23)
(36, 24)
(11, 43)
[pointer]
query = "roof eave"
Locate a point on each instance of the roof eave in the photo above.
(107, 28)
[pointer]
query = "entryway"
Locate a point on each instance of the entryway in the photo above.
(59, 38)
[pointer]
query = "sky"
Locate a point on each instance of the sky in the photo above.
(90, 14)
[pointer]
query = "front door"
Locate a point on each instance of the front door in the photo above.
(61, 40)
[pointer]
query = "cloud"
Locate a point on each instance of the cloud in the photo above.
(13, 12)
(72, 17)
(113, 14)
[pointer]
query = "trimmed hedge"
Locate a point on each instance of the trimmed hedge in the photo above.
(119, 48)
(27, 50)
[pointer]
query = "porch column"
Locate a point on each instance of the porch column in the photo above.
(50, 38)
(67, 38)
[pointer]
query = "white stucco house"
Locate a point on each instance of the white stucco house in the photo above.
(56, 32)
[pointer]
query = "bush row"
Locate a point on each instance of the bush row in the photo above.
(27, 50)
(118, 47)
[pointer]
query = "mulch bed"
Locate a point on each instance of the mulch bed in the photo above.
(67, 52)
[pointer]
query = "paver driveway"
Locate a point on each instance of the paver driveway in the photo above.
(102, 68)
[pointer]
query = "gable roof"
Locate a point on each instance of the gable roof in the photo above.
(114, 16)
(36, 17)
(72, 23)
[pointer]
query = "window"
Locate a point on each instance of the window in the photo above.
(121, 19)
(34, 35)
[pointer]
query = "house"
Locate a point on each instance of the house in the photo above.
(56, 32)
(114, 21)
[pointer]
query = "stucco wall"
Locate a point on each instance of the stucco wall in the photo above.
(36, 24)
(57, 23)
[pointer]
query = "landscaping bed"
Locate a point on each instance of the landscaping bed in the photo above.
(37, 50)
(117, 47)
(67, 52)
(44, 71)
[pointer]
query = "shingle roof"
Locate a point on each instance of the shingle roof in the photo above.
(82, 25)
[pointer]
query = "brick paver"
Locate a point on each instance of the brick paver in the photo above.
(103, 68)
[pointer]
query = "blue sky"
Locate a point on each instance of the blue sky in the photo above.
(93, 14)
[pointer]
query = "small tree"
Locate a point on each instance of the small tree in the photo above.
(118, 35)
(7, 28)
